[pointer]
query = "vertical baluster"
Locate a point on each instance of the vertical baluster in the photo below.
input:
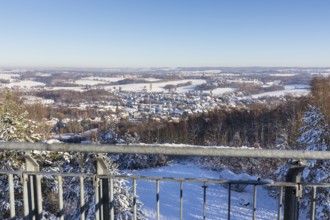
(97, 198)
(112, 208)
(82, 199)
(254, 201)
(32, 197)
(157, 199)
(30, 188)
(204, 200)
(39, 196)
(25, 179)
(60, 198)
(280, 204)
(134, 199)
(313, 203)
(100, 190)
(229, 200)
(181, 200)
(11, 195)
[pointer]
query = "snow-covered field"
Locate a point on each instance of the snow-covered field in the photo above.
(24, 84)
(283, 74)
(159, 86)
(88, 82)
(220, 91)
(18, 83)
(297, 86)
(78, 89)
(201, 71)
(239, 80)
(216, 196)
(138, 87)
(294, 89)
(8, 76)
(92, 80)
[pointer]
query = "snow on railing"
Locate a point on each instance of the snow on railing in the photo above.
(103, 183)
(170, 149)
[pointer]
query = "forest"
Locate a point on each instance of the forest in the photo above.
(257, 125)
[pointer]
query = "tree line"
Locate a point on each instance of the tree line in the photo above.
(258, 125)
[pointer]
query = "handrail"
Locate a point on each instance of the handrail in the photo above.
(173, 179)
(170, 149)
(31, 177)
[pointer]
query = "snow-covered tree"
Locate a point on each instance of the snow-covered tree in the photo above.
(17, 127)
(70, 162)
(130, 161)
(84, 163)
(315, 136)
(15, 124)
(315, 132)
(281, 140)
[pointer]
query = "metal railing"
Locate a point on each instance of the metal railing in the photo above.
(169, 149)
(103, 183)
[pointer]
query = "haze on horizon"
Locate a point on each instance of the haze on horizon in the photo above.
(171, 33)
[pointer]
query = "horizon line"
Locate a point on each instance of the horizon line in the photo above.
(153, 67)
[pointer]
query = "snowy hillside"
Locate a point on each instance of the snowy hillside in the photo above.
(216, 199)
(160, 86)
(294, 90)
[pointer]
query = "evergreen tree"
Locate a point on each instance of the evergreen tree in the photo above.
(14, 122)
(315, 136)
(315, 132)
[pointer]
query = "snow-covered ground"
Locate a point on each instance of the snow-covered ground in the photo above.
(293, 89)
(78, 89)
(297, 86)
(24, 84)
(8, 76)
(240, 80)
(201, 71)
(283, 74)
(88, 82)
(159, 86)
(97, 80)
(216, 196)
(139, 87)
(15, 82)
(92, 80)
(220, 91)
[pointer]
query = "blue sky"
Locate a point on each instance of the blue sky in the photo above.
(164, 33)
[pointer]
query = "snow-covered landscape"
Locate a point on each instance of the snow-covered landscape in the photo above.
(216, 195)
(160, 86)
(197, 107)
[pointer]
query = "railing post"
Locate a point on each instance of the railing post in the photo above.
(293, 194)
(102, 209)
(11, 196)
(32, 190)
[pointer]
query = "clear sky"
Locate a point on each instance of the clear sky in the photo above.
(164, 33)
